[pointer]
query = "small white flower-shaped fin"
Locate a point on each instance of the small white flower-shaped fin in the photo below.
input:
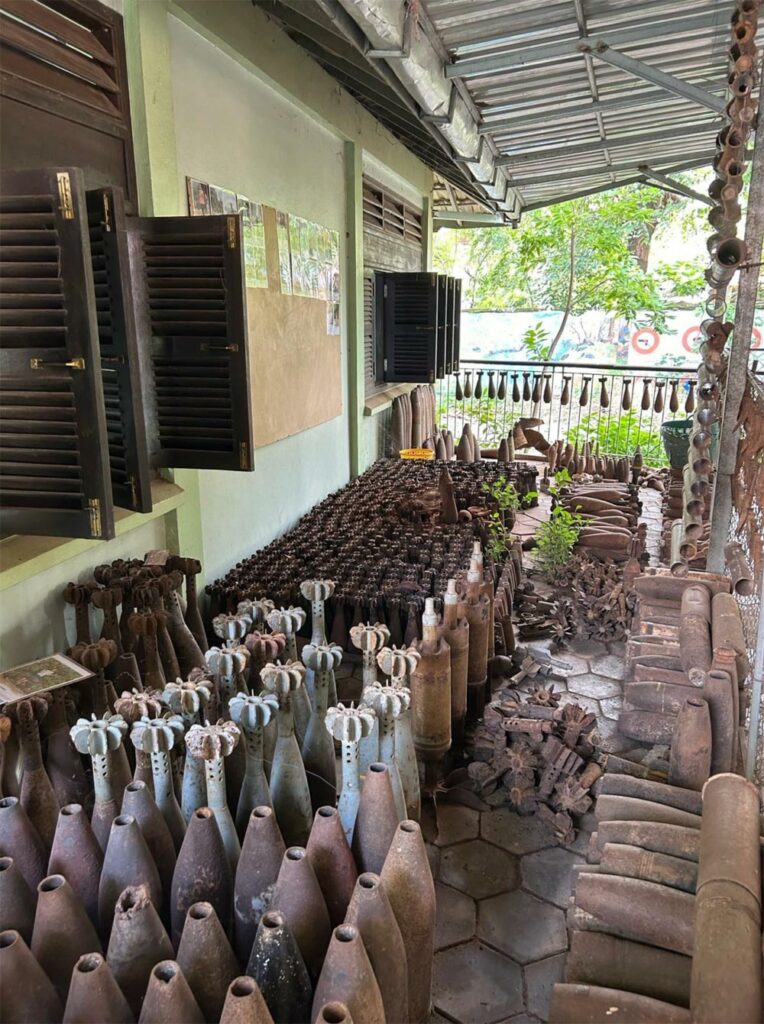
(370, 637)
(231, 627)
(135, 704)
(257, 611)
(287, 620)
(322, 657)
(98, 735)
(398, 662)
(350, 724)
(387, 700)
(211, 742)
(224, 662)
(157, 735)
(253, 712)
(266, 646)
(186, 697)
(282, 679)
(317, 590)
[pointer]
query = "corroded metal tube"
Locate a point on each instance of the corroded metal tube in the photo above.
(633, 862)
(478, 608)
(718, 692)
(679, 554)
(663, 698)
(690, 762)
(742, 581)
(431, 690)
(456, 633)
(626, 808)
(640, 911)
(663, 587)
(656, 836)
(590, 1004)
(646, 789)
(726, 973)
(727, 630)
(646, 726)
(597, 959)
(695, 645)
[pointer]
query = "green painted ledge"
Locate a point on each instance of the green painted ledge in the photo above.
(22, 556)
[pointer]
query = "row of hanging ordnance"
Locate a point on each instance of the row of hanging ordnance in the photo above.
(728, 254)
(384, 540)
(202, 871)
(686, 666)
(665, 920)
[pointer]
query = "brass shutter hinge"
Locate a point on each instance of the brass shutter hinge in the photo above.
(65, 195)
(43, 364)
(243, 455)
(94, 508)
(232, 233)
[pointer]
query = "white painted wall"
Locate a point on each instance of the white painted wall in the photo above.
(233, 130)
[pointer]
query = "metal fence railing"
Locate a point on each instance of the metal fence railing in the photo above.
(616, 408)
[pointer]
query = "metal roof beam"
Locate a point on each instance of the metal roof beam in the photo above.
(457, 218)
(698, 160)
(675, 186)
(618, 142)
(554, 200)
(481, 66)
(602, 51)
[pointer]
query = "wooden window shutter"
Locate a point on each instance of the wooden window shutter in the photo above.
(410, 323)
(188, 275)
(128, 455)
(53, 449)
(444, 327)
(456, 323)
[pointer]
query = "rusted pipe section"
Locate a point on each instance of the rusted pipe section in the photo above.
(590, 1004)
(718, 692)
(695, 645)
(691, 744)
(645, 789)
(660, 586)
(663, 698)
(431, 690)
(679, 554)
(726, 972)
(654, 836)
(646, 726)
(605, 960)
(727, 630)
(478, 608)
(737, 567)
(640, 911)
(456, 633)
(625, 808)
(633, 862)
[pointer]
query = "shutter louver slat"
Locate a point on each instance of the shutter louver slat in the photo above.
(53, 439)
(128, 453)
(193, 330)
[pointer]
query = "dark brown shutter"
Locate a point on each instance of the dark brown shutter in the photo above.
(128, 455)
(188, 273)
(53, 449)
(456, 324)
(444, 327)
(410, 319)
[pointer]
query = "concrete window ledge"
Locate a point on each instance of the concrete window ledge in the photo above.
(375, 404)
(22, 556)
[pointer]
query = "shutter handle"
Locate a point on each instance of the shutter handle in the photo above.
(206, 347)
(43, 364)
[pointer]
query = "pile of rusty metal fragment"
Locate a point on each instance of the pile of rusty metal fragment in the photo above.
(610, 511)
(686, 663)
(665, 920)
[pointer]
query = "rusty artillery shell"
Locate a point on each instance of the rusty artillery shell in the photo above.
(653, 674)
(662, 586)
(690, 763)
(654, 836)
(627, 808)
(597, 959)
(742, 581)
(695, 646)
(477, 612)
(646, 789)
(620, 766)
(590, 1004)
(654, 653)
(646, 726)
(727, 631)
(456, 633)
(726, 972)
(640, 911)
(718, 693)
(431, 690)
(633, 862)
(660, 698)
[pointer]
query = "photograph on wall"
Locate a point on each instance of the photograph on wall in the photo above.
(255, 267)
(38, 676)
(198, 197)
(216, 199)
(230, 201)
(285, 253)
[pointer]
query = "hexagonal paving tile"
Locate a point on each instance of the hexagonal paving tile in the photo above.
(514, 833)
(475, 985)
(456, 823)
(608, 665)
(547, 874)
(612, 707)
(455, 916)
(575, 666)
(540, 978)
(591, 685)
(587, 648)
(478, 869)
(522, 926)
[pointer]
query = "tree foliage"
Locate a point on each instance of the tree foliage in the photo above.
(607, 235)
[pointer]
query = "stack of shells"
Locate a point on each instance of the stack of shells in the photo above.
(206, 874)
(374, 539)
(727, 255)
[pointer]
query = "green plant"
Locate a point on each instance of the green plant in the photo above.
(536, 342)
(556, 538)
(620, 435)
(504, 499)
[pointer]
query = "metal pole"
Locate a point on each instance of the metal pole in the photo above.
(756, 688)
(737, 368)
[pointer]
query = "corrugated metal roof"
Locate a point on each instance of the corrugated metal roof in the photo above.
(565, 122)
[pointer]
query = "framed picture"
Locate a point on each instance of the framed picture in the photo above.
(198, 197)
(37, 676)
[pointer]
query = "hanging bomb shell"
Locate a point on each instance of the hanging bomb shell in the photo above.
(431, 690)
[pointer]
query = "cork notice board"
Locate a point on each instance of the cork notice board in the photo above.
(295, 366)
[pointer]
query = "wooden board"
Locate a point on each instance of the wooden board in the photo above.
(295, 367)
